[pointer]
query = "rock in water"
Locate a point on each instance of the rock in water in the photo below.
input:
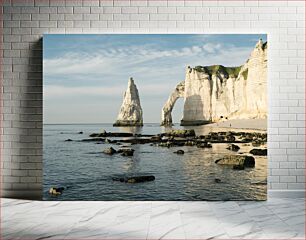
(237, 160)
(127, 152)
(135, 179)
(130, 112)
(109, 151)
(181, 133)
(214, 93)
(179, 152)
(259, 152)
(233, 147)
(56, 191)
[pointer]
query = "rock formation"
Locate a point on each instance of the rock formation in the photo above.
(214, 93)
(130, 112)
(167, 109)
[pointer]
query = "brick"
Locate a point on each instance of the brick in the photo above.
(57, 3)
(139, 3)
(47, 23)
(111, 9)
(30, 10)
(11, 24)
(71, 17)
(140, 17)
(91, 3)
(62, 10)
(185, 10)
(91, 16)
(74, 3)
(147, 9)
(158, 3)
(81, 10)
(166, 9)
(48, 10)
(39, 17)
(82, 24)
(98, 24)
(21, 16)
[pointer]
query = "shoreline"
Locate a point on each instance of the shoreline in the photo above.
(247, 124)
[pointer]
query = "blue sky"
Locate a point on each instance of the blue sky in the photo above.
(85, 76)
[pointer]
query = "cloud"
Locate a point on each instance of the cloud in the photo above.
(102, 60)
(57, 91)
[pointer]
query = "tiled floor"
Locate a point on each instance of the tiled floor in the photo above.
(274, 219)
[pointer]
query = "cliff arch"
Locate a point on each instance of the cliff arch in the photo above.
(177, 93)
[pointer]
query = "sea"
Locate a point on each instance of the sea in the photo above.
(87, 173)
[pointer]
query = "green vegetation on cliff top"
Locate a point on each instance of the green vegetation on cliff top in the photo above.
(227, 71)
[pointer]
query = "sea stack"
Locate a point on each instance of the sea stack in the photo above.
(130, 112)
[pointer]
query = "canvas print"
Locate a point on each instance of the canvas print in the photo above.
(155, 117)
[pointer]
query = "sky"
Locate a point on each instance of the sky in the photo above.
(85, 75)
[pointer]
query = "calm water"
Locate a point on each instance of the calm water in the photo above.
(87, 172)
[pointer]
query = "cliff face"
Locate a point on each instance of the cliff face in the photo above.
(214, 93)
(130, 113)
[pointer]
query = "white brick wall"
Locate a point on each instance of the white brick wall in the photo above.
(24, 22)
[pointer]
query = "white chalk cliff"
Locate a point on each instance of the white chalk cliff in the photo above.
(130, 113)
(215, 93)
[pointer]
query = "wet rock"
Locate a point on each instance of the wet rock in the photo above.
(156, 138)
(97, 135)
(204, 145)
(109, 151)
(259, 152)
(246, 161)
(181, 133)
(230, 138)
(181, 152)
(68, 140)
(233, 147)
(56, 191)
(190, 143)
(80, 132)
(135, 179)
(165, 144)
(127, 152)
(112, 134)
(98, 139)
(238, 167)
(217, 180)
(249, 161)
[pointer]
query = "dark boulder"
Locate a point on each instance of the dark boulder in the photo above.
(233, 147)
(238, 167)
(80, 132)
(97, 135)
(204, 145)
(127, 152)
(109, 151)
(217, 180)
(135, 179)
(249, 161)
(179, 152)
(259, 152)
(96, 139)
(68, 140)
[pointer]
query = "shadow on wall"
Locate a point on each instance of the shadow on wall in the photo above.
(31, 114)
